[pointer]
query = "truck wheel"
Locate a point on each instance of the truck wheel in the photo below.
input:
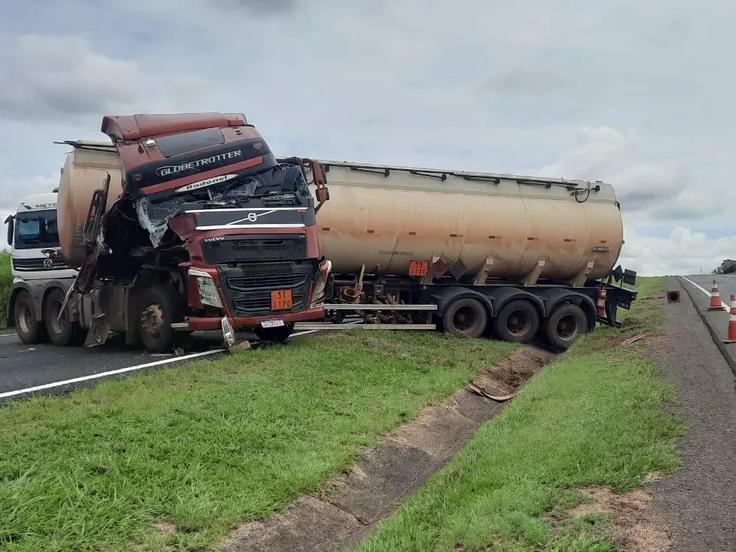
(564, 325)
(275, 335)
(61, 332)
(465, 317)
(158, 308)
(518, 322)
(29, 329)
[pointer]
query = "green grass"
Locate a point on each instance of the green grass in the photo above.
(595, 416)
(210, 444)
(6, 282)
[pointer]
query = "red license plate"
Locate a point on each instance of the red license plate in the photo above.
(281, 299)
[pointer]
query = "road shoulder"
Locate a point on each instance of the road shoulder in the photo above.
(697, 502)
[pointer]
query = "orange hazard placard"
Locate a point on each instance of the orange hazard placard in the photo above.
(418, 268)
(281, 299)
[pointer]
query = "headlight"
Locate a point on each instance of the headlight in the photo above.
(320, 281)
(207, 289)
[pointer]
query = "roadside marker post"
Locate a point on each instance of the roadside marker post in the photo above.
(732, 322)
(715, 298)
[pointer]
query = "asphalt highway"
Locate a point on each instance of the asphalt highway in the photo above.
(726, 284)
(25, 368)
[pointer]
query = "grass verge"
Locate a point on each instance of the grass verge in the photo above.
(6, 282)
(173, 459)
(593, 417)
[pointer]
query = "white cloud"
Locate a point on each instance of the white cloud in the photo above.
(64, 76)
(55, 75)
(682, 252)
(648, 190)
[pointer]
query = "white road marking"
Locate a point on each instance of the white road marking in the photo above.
(8, 335)
(54, 384)
(725, 305)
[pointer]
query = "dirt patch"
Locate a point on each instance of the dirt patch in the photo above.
(165, 527)
(514, 370)
(634, 526)
(351, 503)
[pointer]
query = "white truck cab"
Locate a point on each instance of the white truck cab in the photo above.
(41, 277)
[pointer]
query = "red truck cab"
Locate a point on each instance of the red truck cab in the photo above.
(220, 220)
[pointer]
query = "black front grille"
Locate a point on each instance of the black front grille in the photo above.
(37, 263)
(255, 247)
(274, 281)
(248, 287)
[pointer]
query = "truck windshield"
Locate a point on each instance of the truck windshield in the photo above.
(35, 230)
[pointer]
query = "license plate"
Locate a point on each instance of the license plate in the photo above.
(272, 323)
(281, 299)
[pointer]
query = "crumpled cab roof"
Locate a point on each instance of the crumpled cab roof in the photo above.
(135, 127)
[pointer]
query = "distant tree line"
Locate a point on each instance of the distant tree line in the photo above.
(728, 266)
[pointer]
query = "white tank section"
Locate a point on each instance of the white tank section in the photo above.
(514, 227)
(476, 224)
(84, 171)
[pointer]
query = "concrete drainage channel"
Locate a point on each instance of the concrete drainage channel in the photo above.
(382, 477)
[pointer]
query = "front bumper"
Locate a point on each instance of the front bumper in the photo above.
(202, 323)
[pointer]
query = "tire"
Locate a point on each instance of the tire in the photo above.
(274, 335)
(517, 322)
(564, 325)
(61, 332)
(157, 308)
(29, 329)
(466, 317)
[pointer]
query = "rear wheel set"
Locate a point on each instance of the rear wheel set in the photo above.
(466, 317)
(517, 322)
(566, 323)
(62, 331)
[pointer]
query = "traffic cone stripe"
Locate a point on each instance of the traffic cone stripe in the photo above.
(715, 298)
(732, 322)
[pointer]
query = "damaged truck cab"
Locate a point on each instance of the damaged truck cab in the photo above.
(201, 229)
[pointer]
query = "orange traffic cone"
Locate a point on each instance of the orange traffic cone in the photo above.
(732, 322)
(715, 298)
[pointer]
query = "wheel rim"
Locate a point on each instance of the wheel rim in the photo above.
(518, 323)
(152, 321)
(567, 327)
(464, 318)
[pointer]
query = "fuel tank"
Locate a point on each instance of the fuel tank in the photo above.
(472, 225)
(84, 171)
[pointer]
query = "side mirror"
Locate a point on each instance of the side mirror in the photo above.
(323, 194)
(10, 221)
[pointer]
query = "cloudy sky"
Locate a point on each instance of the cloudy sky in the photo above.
(640, 94)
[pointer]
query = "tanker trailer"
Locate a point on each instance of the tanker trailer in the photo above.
(188, 222)
(473, 252)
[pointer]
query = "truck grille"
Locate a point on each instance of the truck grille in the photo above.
(248, 287)
(274, 281)
(255, 247)
(37, 263)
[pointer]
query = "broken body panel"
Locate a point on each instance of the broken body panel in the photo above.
(200, 209)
